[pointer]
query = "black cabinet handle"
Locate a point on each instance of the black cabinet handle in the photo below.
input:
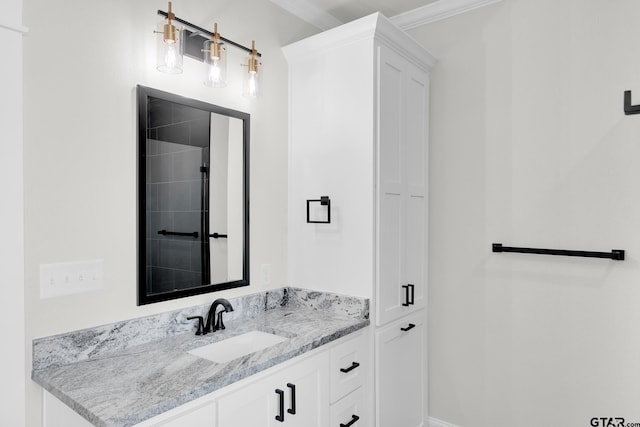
(354, 419)
(413, 294)
(408, 328)
(353, 366)
(281, 416)
(292, 410)
(409, 295)
(406, 296)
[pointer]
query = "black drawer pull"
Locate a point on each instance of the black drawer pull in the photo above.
(292, 410)
(353, 366)
(408, 328)
(354, 419)
(281, 416)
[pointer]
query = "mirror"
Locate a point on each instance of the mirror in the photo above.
(193, 197)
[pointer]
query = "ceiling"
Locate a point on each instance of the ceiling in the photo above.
(326, 14)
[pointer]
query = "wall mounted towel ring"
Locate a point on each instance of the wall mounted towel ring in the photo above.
(324, 201)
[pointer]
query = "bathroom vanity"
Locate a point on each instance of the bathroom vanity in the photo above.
(137, 373)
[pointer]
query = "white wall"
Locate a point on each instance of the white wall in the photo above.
(12, 393)
(530, 147)
(82, 62)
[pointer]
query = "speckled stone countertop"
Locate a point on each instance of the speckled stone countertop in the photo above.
(124, 373)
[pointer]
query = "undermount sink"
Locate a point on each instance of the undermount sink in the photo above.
(238, 346)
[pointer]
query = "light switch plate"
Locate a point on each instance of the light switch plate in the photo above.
(66, 278)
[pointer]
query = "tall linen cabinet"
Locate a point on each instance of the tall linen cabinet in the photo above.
(358, 134)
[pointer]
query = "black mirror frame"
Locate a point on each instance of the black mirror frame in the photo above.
(143, 93)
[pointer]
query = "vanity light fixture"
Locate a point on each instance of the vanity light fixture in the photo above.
(252, 80)
(169, 45)
(174, 41)
(215, 56)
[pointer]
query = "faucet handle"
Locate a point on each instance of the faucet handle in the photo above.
(219, 324)
(200, 330)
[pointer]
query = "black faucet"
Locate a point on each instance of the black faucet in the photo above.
(212, 312)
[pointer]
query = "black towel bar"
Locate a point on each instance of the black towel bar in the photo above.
(615, 254)
(193, 234)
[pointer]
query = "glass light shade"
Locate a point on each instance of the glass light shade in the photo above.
(215, 59)
(252, 77)
(169, 47)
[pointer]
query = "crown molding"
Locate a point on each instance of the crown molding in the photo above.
(427, 14)
(437, 11)
(375, 26)
(310, 13)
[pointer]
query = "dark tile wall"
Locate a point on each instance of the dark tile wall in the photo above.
(177, 146)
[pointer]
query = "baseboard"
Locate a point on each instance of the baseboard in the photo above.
(434, 422)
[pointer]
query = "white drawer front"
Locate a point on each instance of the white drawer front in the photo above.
(351, 409)
(350, 366)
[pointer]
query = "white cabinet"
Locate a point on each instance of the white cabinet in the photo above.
(401, 241)
(295, 396)
(358, 133)
(307, 391)
(401, 377)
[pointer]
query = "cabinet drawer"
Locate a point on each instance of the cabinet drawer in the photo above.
(350, 366)
(351, 409)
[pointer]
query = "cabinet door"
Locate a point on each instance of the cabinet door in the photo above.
(309, 380)
(401, 352)
(250, 406)
(204, 416)
(303, 388)
(402, 196)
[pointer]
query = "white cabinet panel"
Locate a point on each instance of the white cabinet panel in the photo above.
(402, 214)
(252, 405)
(56, 414)
(303, 389)
(311, 381)
(203, 416)
(401, 376)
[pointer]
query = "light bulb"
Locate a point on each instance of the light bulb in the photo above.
(253, 85)
(170, 56)
(169, 49)
(215, 56)
(214, 72)
(252, 80)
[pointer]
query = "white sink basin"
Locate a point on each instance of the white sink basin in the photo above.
(238, 346)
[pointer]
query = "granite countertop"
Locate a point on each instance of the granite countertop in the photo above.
(120, 374)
